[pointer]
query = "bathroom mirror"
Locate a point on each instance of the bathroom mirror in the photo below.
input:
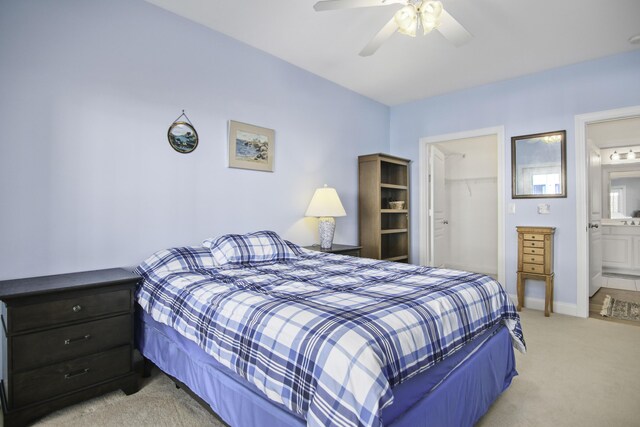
(624, 194)
(538, 165)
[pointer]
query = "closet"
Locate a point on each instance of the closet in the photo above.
(464, 204)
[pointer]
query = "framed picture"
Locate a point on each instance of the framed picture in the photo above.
(182, 137)
(538, 165)
(251, 147)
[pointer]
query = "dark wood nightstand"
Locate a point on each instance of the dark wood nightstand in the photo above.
(66, 338)
(338, 249)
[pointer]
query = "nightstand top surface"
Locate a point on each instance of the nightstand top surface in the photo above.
(17, 288)
(335, 248)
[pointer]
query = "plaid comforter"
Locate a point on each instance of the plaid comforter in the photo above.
(326, 335)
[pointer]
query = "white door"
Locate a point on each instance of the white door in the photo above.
(438, 208)
(595, 217)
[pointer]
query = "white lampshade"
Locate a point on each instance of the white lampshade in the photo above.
(325, 202)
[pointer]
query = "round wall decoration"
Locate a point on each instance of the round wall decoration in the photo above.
(182, 135)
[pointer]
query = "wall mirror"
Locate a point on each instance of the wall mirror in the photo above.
(622, 200)
(538, 165)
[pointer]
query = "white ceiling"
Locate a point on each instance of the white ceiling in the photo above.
(511, 38)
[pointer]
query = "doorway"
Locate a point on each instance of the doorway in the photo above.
(601, 242)
(614, 246)
(461, 201)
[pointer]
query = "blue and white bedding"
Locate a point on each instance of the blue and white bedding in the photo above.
(326, 335)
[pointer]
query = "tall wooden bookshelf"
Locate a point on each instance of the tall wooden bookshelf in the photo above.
(384, 232)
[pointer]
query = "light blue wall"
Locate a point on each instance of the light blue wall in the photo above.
(541, 102)
(88, 180)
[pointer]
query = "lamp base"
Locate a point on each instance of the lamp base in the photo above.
(326, 228)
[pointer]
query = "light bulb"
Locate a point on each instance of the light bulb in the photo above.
(615, 156)
(631, 155)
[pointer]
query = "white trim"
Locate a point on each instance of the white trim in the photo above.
(582, 249)
(430, 204)
(538, 304)
(423, 189)
(423, 197)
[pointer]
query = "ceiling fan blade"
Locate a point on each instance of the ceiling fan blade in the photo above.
(351, 4)
(382, 36)
(452, 30)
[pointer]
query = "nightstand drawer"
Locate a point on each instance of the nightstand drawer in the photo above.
(51, 381)
(41, 348)
(50, 313)
(337, 249)
(355, 253)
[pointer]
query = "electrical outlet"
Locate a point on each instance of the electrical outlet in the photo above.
(544, 208)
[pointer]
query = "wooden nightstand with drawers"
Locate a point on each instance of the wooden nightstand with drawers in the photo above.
(535, 261)
(66, 338)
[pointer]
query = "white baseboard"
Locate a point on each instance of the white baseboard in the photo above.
(538, 304)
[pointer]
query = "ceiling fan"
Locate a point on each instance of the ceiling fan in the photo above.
(428, 14)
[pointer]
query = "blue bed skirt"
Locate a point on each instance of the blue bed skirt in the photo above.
(455, 392)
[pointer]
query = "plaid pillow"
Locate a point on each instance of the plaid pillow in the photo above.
(261, 246)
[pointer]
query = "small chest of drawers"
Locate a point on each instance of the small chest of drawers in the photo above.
(66, 338)
(535, 261)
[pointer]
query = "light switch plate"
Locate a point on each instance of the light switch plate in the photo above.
(512, 208)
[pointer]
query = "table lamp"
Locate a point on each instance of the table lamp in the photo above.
(325, 204)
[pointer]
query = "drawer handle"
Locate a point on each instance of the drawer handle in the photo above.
(72, 340)
(76, 308)
(76, 373)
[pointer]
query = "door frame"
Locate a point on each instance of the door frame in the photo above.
(582, 267)
(423, 188)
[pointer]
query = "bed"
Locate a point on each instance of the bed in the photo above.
(269, 334)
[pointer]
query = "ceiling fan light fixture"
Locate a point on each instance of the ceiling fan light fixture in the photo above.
(413, 14)
(407, 20)
(430, 12)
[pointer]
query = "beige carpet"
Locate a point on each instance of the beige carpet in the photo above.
(158, 403)
(577, 372)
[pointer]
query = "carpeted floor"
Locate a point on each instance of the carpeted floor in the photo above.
(577, 372)
(158, 403)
